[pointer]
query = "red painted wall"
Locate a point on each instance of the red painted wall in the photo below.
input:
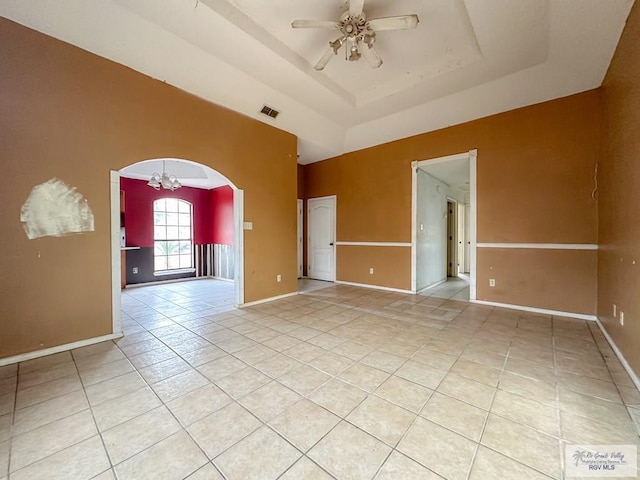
(138, 199)
(222, 213)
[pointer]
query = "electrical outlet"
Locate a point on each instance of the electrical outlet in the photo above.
(622, 319)
(371, 271)
(615, 310)
(278, 278)
(492, 282)
(135, 270)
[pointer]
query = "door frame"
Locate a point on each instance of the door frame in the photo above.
(472, 155)
(300, 239)
(116, 273)
(452, 243)
(309, 231)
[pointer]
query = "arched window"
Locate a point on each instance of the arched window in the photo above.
(172, 235)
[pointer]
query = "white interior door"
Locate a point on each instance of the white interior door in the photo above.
(300, 220)
(322, 227)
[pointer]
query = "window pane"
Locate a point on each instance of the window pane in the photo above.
(172, 233)
(185, 219)
(160, 263)
(185, 233)
(158, 218)
(159, 205)
(185, 248)
(185, 261)
(172, 205)
(184, 207)
(173, 261)
(159, 233)
(172, 219)
(173, 247)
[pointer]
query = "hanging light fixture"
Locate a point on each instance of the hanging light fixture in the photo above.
(166, 181)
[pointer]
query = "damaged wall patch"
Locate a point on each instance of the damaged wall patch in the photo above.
(55, 209)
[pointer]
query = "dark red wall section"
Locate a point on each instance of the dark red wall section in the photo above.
(222, 209)
(138, 199)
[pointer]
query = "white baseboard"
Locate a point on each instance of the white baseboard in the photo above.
(266, 300)
(557, 313)
(163, 282)
(222, 279)
(375, 287)
(623, 361)
(60, 348)
(431, 286)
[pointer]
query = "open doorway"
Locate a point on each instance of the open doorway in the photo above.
(162, 235)
(443, 221)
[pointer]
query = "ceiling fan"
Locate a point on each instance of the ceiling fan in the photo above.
(357, 33)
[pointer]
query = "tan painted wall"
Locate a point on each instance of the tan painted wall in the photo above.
(535, 178)
(551, 279)
(389, 265)
(619, 195)
(69, 114)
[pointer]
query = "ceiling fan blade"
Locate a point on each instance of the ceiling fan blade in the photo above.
(371, 54)
(356, 7)
(315, 24)
(403, 22)
(325, 59)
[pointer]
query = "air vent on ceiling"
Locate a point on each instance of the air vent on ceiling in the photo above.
(269, 112)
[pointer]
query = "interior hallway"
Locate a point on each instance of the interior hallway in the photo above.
(338, 382)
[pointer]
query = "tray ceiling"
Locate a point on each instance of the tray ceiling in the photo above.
(465, 60)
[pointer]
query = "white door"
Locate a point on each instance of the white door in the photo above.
(300, 203)
(322, 228)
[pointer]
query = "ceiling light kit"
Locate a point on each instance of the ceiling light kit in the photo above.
(166, 181)
(358, 33)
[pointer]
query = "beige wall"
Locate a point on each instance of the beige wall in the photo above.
(550, 279)
(389, 265)
(535, 172)
(619, 195)
(69, 114)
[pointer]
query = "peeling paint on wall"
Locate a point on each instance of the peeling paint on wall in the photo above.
(55, 209)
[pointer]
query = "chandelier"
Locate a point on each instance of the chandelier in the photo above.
(166, 181)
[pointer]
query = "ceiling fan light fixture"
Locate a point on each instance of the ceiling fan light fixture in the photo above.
(358, 33)
(354, 54)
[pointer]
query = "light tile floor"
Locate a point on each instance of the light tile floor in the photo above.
(340, 382)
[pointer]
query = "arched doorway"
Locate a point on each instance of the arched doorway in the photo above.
(194, 178)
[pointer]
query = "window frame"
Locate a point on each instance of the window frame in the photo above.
(166, 225)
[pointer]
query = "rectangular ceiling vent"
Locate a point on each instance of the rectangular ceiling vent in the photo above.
(269, 112)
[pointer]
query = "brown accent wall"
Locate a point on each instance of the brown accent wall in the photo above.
(535, 169)
(619, 195)
(389, 265)
(300, 173)
(69, 114)
(550, 279)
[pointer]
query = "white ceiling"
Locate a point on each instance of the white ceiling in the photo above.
(189, 174)
(455, 173)
(465, 60)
